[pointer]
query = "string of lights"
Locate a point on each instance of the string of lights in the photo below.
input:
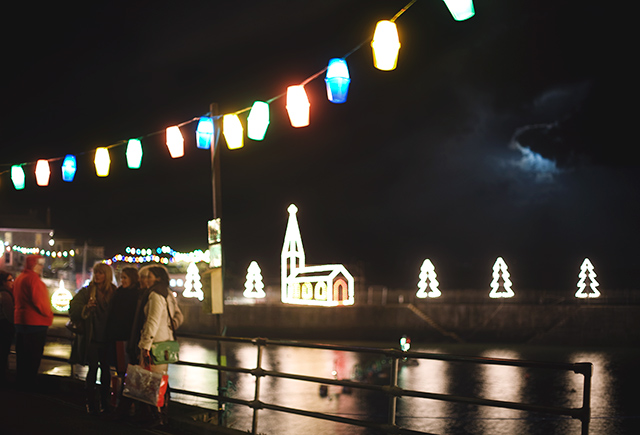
(385, 45)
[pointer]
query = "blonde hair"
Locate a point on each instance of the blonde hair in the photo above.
(104, 290)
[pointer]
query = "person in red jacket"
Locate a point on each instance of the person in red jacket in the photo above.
(32, 317)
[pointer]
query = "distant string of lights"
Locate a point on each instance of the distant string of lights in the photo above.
(162, 255)
(385, 44)
(40, 251)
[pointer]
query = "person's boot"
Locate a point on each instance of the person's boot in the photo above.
(105, 400)
(90, 401)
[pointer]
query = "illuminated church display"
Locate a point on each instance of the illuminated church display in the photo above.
(587, 285)
(326, 285)
(501, 284)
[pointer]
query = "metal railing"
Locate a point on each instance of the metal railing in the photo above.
(392, 390)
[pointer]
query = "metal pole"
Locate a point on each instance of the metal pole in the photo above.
(586, 398)
(256, 397)
(393, 383)
(216, 194)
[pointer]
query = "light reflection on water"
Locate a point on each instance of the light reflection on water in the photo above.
(615, 383)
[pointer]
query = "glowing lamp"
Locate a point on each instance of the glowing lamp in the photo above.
(233, 131)
(258, 120)
(43, 172)
(298, 106)
(17, 177)
(69, 166)
(175, 142)
(386, 45)
(102, 162)
(337, 81)
(204, 133)
(134, 154)
(460, 9)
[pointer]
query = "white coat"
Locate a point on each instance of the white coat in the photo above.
(157, 327)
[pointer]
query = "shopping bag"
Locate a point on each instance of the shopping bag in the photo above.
(144, 385)
(165, 352)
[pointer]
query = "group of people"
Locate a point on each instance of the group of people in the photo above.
(114, 327)
(117, 327)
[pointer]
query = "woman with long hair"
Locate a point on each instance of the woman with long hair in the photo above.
(162, 317)
(7, 330)
(92, 305)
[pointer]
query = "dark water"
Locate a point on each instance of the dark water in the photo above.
(614, 393)
(614, 403)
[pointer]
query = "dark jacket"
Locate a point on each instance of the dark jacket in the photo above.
(122, 313)
(95, 324)
(138, 321)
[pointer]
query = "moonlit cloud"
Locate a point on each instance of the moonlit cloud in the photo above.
(542, 170)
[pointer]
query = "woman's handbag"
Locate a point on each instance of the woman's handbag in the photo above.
(165, 352)
(145, 386)
(75, 327)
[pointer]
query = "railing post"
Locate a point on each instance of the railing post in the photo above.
(393, 383)
(256, 397)
(586, 397)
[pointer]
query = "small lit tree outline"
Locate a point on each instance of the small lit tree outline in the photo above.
(500, 271)
(428, 281)
(192, 284)
(61, 298)
(587, 277)
(254, 287)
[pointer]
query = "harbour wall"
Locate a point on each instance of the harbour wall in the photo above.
(587, 324)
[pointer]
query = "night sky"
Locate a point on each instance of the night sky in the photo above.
(505, 135)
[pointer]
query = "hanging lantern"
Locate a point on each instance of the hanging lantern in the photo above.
(102, 162)
(337, 81)
(17, 177)
(204, 133)
(134, 154)
(69, 166)
(43, 172)
(298, 106)
(258, 120)
(175, 142)
(460, 9)
(233, 131)
(386, 45)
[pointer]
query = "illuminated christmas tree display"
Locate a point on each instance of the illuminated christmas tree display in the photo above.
(501, 284)
(254, 287)
(61, 298)
(587, 285)
(192, 284)
(428, 281)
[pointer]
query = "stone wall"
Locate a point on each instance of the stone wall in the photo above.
(588, 324)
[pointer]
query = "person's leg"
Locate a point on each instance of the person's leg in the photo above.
(6, 338)
(90, 380)
(105, 377)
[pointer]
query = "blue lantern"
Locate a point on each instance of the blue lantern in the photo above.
(204, 133)
(69, 168)
(337, 81)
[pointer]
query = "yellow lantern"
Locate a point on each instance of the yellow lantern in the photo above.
(233, 131)
(43, 172)
(298, 106)
(102, 162)
(175, 142)
(386, 45)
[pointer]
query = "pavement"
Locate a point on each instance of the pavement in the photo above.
(56, 406)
